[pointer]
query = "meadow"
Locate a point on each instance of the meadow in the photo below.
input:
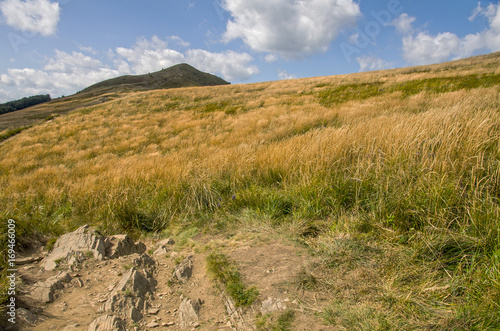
(392, 176)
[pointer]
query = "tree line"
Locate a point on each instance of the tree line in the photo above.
(23, 103)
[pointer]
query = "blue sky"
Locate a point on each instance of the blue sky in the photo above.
(61, 47)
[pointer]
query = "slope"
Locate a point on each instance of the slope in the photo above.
(180, 75)
(390, 179)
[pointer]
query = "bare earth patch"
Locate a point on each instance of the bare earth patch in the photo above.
(190, 301)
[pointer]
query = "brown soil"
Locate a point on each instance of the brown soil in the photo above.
(273, 265)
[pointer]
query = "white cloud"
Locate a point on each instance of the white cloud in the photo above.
(420, 47)
(68, 63)
(179, 40)
(426, 49)
(404, 23)
(290, 28)
(65, 73)
(270, 58)
(34, 16)
(229, 64)
(367, 63)
(488, 12)
(283, 74)
(148, 56)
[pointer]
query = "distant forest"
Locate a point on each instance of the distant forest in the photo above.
(23, 103)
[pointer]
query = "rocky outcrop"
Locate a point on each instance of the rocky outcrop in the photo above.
(122, 245)
(77, 246)
(45, 291)
(83, 240)
(107, 323)
(128, 299)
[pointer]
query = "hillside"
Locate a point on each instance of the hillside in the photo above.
(368, 201)
(180, 75)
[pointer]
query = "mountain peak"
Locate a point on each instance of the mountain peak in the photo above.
(179, 75)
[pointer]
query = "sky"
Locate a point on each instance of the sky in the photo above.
(61, 47)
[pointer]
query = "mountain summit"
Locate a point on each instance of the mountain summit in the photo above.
(180, 75)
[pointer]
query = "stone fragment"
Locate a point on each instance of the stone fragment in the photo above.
(144, 261)
(132, 281)
(271, 305)
(183, 271)
(28, 260)
(107, 323)
(27, 316)
(152, 325)
(153, 311)
(45, 291)
(189, 312)
(78, 282)
(161, 250)
(166, 242)
(122, 245)
(135, 315)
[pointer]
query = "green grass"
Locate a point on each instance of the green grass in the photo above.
(224, 272)
(276, 322)
(6, 134)
(361, 91)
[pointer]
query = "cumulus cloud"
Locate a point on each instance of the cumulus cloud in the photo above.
(367, 63)
(425, 49)
(229, 64)
(34, 16)
(290, 28)
(404, 23)
(420, 47)
(283, 74)
(147, 56)
(65, 73)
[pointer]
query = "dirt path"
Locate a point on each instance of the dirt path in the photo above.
(91, 297)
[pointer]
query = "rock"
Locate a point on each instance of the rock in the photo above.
(28, 260)
(27, 316)
(152, 325)
(144, 261)
(44, 291)
(82, 240)
(153, 311)
(165, 242)
(183, 271)
(135, 315)
(161, 250)
(132, 281)
(122, 245)
(77, 282)
(189, 312)
(271, 305)
(75, 257)
(107, 323)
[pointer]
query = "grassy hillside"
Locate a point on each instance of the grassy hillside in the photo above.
(180, 75)
(393, 177)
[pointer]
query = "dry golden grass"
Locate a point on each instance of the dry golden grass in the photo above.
(415, 169)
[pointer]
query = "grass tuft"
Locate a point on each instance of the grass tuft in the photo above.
(225, 273)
